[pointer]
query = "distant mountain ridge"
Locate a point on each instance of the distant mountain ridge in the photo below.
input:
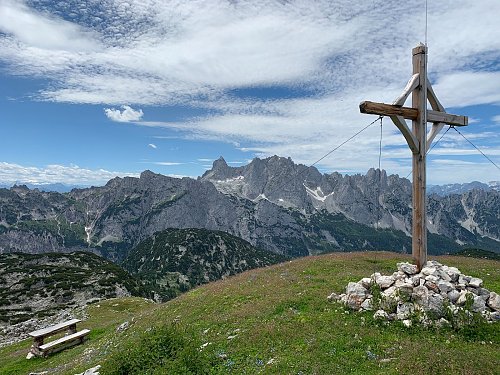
(272, 203)
(57, 187)
(444, 190)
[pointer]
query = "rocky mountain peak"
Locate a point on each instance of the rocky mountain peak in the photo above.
(20, 188)
(148, 175)
(219, 163)
(220, 171)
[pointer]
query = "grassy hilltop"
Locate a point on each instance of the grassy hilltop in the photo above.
(274, 320)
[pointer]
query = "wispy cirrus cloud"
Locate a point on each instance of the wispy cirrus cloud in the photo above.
(167, 163)
(210, 54)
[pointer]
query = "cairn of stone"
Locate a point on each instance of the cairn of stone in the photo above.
(435, 295)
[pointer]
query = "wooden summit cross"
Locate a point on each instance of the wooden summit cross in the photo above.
(418, 140)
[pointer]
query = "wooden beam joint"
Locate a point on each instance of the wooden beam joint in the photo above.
(409, 113)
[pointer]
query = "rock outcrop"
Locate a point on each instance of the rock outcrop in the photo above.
(272, 203)
(438, 294)
(40, 285)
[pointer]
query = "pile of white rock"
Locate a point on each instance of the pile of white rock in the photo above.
(428, 296)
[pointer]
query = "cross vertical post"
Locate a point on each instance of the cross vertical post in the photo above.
(419, 125)
(418, 139)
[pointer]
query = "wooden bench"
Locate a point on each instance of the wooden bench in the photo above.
(72, 338)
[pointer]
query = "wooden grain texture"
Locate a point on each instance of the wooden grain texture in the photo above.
(383, 109)
(54, 329)
(419, 103)
(410, 113)
(74, 337)
(417, 138)
(410, 86)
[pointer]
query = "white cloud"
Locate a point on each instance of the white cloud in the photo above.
(148, 52)
(54, 173)
(152, 145)
(40, 31)
(496, 119)
(467, 88)
(128, 114)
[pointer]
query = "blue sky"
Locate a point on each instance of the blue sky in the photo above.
(94, 89)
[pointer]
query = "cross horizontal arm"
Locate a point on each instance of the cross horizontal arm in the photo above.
(383, 109)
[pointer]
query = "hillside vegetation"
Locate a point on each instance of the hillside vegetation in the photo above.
(38, 285)
(273, 320)
(176, 260)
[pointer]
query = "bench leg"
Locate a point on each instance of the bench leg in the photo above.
(34, 350)
(71, 329)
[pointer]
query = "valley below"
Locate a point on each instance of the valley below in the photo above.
(211, 256)
(273, 320)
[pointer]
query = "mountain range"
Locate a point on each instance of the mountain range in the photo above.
(449, 189)
(272, 203)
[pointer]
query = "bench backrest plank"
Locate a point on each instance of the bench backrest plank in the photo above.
(53, 329)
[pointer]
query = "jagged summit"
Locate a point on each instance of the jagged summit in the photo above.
(219, 163)
(272, 203)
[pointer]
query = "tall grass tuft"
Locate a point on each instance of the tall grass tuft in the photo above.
(162, 350)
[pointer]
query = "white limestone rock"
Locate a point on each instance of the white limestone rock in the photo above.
(91, 371)
(494, 301)
(442, 323)
(452, 272)
(404, 310)
(479, 304)
(384, 281)
(445, 286)
(356, 294)
(366, 282)
(462, 298)
(421, 296)
(367, 304)
(453, 295)
(463, 280)
(333, 297)
(380, 314)
(407, 268)
(399, 275)
(30, 355)
(443, 276)
(390, 292)
(475, 282)
(433, 287)
(429, 270)
(415, 280)
(494, 316)
(435, 303)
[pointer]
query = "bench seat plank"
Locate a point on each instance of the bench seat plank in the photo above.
(58, 327)
(64, 339)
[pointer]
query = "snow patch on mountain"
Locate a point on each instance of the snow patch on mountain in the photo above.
(317, 193)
